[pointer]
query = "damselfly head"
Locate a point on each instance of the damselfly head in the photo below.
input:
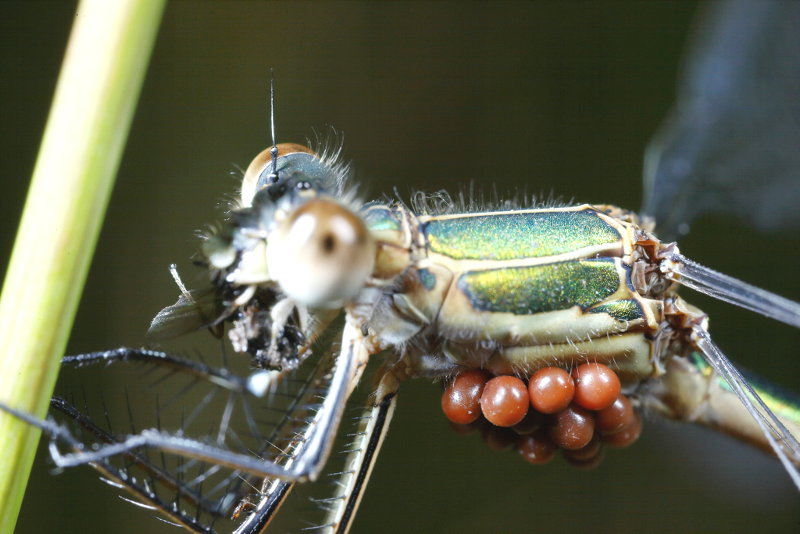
(317, 249)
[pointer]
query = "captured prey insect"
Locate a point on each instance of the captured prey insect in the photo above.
(508, 291)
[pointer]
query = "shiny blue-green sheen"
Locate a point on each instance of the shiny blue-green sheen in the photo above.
(427, 278)
(516, 235)
(621, 310)
(378, 217)
(292, 170)
(784, 403)
(541, 288)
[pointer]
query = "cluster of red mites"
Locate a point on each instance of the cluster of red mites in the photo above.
(576, 412)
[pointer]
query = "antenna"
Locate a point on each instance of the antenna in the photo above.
(273, 177)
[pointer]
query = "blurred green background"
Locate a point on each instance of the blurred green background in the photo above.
(547, 97)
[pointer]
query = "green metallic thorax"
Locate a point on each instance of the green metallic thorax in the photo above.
(518, 234)
(512, 290)
(517, 290)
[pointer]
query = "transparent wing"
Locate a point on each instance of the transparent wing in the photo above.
(194, 310)
(780, 439)
(729, 289)
(730, 144)
(723, 287)
(352, 481)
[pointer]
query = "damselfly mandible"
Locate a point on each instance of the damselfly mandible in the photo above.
(532, 474)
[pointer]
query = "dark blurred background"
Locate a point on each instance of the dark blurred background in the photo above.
(549, 97)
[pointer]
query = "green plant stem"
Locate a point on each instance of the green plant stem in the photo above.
(101, 76)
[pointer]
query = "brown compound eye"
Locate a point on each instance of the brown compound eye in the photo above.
(321, 254)
(260, 162)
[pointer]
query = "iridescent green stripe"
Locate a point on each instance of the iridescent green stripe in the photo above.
(515, 235)
(784, 403)
(621, 310)
(541, 288)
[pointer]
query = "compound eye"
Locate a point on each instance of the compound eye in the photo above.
(321, 255)
(259, 163)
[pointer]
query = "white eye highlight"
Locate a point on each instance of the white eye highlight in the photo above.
(321, 254)
(344, 230)
(302, 231)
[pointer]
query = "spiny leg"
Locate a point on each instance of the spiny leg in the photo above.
(350, 481)
(157, 474)
(218, 376)
(141, 494)
(299, 450)
(353, 480)
(306, 464)
(142, 489)
(293, 430)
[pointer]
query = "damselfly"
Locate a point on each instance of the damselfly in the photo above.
(534, 482)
